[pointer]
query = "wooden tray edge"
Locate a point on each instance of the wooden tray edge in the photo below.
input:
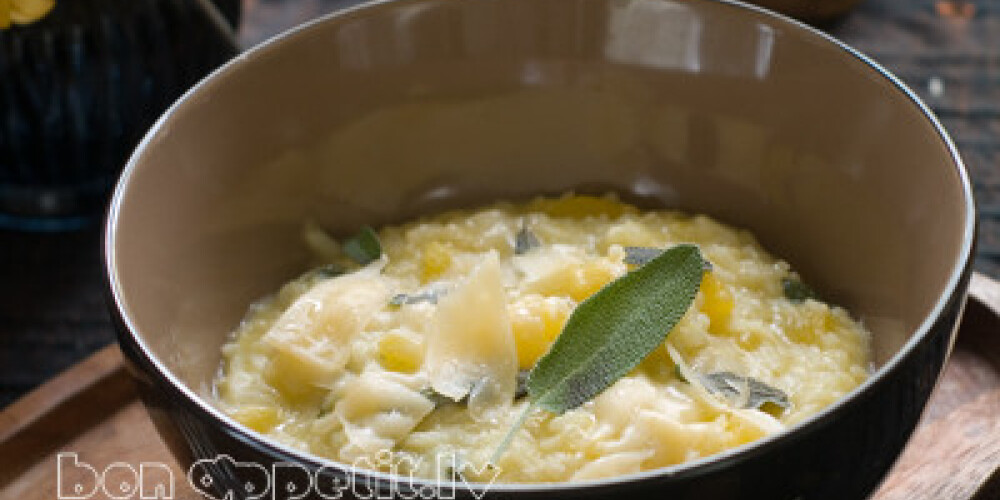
(75, 400)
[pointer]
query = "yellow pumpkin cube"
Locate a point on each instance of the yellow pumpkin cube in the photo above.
(811, 320)
(717, 303)
(589, 279)
(434, 261)
(576, 281)
(400, 353)
(536, 322)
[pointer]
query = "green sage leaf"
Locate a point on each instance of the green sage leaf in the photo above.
(520, 391)
(745, 392)
(608, 334)
(525, 241)
(612, 331)
(439, 399)
(796, 291)
(640, 256)
(430, 296)
(363, 247)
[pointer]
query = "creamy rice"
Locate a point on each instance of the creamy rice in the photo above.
(345, 367)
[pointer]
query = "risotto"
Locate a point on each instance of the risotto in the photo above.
(423, 351)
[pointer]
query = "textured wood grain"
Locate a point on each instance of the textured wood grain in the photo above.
(954, 458)
(91, 410)
(126, 435)
(45, 417)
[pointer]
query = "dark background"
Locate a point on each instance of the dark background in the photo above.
(52, 291)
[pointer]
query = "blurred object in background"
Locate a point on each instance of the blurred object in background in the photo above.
(812, 11)
(955, 9)
(24, 11)
(81, 85)
(231, 10)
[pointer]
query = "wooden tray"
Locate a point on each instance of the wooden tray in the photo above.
(92, 410)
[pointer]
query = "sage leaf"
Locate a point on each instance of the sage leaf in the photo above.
(363, 247)
(429, 296)
(520, 391)
(640, 256)
(608, 334)
(525, 241)
(745, 392)
(439, 399)
(796, 291)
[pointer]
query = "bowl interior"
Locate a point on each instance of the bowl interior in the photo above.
(401, 108)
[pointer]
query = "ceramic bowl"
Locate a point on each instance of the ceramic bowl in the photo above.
(393, 109)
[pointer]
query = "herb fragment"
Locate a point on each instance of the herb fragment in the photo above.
(797, 291)
(746, 392)
(640, 256)
(428, 296)
(439, 399)
(521, 389)
(525, 240)
(364, 247)
(608, 334)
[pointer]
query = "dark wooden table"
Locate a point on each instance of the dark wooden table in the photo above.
(52, 309)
